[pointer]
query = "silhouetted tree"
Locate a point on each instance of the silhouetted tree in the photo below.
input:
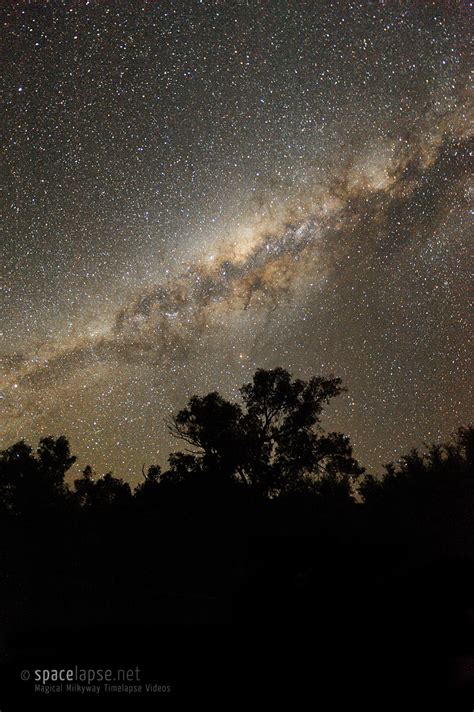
(32, 481)
(183, 468)
(211, 426)
(148, 492)
(55, 459)
(110, 490)
(417, 477)
(18, 470)
(275, 444)
(84, 486)
(102, 492)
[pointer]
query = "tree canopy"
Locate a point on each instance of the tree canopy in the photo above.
(271, 444)
(274, 442)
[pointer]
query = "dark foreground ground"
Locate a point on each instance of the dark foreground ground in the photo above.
(216, 666)
(224, 611)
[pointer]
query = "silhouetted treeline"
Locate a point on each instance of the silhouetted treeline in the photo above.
(261, 518)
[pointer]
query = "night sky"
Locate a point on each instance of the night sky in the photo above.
(192, 190)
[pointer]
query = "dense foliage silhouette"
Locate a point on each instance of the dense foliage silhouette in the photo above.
(262, 519)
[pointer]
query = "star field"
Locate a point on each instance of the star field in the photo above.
(195, 190)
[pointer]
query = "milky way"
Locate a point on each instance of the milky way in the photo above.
(196, 192)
